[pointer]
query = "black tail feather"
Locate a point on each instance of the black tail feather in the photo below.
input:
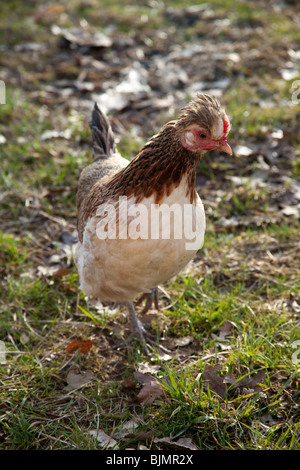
(102, 134)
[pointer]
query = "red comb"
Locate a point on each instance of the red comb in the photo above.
(225, 127)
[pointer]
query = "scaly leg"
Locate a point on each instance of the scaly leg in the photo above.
(151, 298)
(138, 330)
(136, 326)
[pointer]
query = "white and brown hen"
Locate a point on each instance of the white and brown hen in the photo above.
(126, 261)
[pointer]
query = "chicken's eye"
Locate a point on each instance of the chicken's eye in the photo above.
(202, 136)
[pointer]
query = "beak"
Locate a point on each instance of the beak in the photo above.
(225, 147)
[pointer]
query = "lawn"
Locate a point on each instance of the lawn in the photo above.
(69, 376)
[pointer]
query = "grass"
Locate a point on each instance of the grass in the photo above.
(237, 307)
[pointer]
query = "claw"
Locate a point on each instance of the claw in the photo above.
(138, 331)
(151, 298)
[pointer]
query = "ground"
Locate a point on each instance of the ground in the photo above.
(231, 321)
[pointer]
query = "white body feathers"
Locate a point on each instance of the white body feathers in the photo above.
(114, 269)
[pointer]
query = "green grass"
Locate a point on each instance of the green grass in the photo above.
(246, 275)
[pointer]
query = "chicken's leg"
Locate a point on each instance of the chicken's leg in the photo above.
(138, 330)
(151, 298)
(136, 327)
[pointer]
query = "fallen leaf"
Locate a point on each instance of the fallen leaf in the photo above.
(129, 427)
(145, 368)
(229, 379)
(83, 345)
(104, 440)
(149, 392)
(61, 272)
(277, 134)
(142, 378)
(253, 382)
(78, 379)
(129, 384)
(268, 420)
(182, 443)
(141, 436)
(225, 330)
(186, 443)
(184, 341)
(215, 382)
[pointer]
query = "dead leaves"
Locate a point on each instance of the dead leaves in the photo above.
(105, 441)
(77, 379)
(133, 431)
(214, 381)
(221, 385)
(184, 443)
(77, 37)
(61, 272)
(150, 390)
(82, 345)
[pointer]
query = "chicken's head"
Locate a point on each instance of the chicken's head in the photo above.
(204, 125)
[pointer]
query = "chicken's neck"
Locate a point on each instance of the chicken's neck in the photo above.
(159, 168)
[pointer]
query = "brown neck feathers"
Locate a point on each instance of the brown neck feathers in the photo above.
(157, 169)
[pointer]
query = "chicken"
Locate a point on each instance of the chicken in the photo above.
(141, 222)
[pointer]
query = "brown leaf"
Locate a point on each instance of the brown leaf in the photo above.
(142, 378)
(83, 345)
(77, 379)
(268, 420)
(225, 330)
(182, 443)
(214, 381)
(61, 272)
(229, 379)
(253, 381)
(129, 384)
(149, 392)
(140, 436)
(219, 385)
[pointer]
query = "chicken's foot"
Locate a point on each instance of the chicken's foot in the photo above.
(138, 330)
